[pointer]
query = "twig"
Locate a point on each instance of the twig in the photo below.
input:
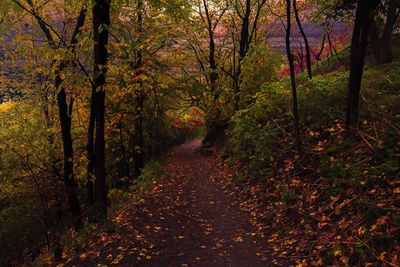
(376, 254)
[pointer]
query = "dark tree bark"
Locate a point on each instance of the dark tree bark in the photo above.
(90, 150)
(332, 47)
(359, 44)
(321, 50)
(213, 64)
(101, 23)
(64, 114)
(213, 117)
(124, 163)
(244, 33)
(247, 34)
(243, 48)
(69, 181)
(235, 81)
(304, 35)
(139, 100)
(292, 78)
(382, 43)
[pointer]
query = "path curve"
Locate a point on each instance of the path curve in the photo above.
(186, 220)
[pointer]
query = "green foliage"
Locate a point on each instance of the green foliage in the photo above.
(261, 65)
(338, 179)
(263, 129)
(28, 174)
(151, 172)
(332, 63)
(31, 165)
(158, 94)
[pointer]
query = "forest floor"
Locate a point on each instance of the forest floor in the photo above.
(189, 218)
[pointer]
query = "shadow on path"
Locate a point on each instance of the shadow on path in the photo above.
(186, 220)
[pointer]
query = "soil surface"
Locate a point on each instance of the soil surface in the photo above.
(187, 219)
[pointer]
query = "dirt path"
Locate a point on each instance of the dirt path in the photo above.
(186, 220)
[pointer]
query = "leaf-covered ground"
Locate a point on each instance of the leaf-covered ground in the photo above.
(186, 219)
(199, 216)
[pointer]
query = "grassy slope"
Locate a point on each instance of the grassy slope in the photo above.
(340, 203)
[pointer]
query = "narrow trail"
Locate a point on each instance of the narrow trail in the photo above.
(186, 220)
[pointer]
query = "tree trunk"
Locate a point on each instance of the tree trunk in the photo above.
(69, 181)
(90, 150)
(308, 50)
(139, 99)
(293, 79)
(243, 48)
(124, 165)
(64, 114)
(359, 44)
(65, 119)
(321, 50)
(213, 64)
(101, 22)
(244, 34)
(382, 44)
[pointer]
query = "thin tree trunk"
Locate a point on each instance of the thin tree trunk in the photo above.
(244, 34)
(234, 76)
(308, 50)
(101, 22)
(139, 97)
(65, 119)
(69, 181)
(318, 56)
(90, 150)
(65, 115)
(213, 64)
(293, 79)
(243, 48)
(332, 48)
(126, 170)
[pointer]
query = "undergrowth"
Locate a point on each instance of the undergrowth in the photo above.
(340, 202)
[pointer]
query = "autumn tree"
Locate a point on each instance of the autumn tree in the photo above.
(101, 24)
(304, 35)
(139, 96)
(249, 14)
(292, 77)
(212, 24)
(208, 50)
(63, 106)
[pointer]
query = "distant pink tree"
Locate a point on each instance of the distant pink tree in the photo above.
(331, 43)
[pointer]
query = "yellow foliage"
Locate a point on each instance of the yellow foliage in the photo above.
(6, 106)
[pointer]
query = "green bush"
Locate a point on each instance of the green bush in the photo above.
(261, 132)
(261, 65)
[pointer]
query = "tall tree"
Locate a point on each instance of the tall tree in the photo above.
(139, 97)
(359, 42)
(243, 48)
(63, 107)
(211, 26)
(247, 32)
(292, 78)
(90, 149)
(101, 24)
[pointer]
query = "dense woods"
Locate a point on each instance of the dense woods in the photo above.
(297, 104)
